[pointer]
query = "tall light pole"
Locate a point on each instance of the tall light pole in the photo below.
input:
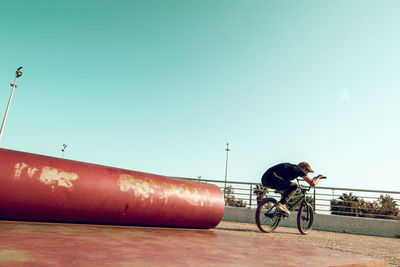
(13, 85)
(226, 166)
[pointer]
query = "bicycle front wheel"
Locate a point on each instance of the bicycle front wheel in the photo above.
(267, 217)
(305, 218)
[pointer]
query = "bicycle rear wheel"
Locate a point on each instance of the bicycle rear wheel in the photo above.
(267, 217)
(305, 218)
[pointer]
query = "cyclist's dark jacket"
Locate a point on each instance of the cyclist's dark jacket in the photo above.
(286, 171)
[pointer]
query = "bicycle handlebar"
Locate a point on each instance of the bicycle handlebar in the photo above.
(298, 181)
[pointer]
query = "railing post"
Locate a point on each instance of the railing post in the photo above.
(251, 191)
(315, 201)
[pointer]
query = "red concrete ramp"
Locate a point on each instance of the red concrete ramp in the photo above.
(46, 244)
(41, 188)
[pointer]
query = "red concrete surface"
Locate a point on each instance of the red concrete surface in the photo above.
(41, 188)
(46, 244)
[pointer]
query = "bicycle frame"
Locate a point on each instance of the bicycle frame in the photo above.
(300, 198)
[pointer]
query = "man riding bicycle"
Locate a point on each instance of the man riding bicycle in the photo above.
(280, 176)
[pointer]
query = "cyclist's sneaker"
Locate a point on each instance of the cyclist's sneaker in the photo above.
(282, 207)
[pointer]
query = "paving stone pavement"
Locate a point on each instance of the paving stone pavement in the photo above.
(373, 246)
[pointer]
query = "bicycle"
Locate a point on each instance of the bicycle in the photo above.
(268, 217)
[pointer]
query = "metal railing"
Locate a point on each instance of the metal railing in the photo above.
(327, 200)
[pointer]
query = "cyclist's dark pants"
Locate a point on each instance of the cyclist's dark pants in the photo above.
(276, 182)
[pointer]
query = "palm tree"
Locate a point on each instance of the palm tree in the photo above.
(347, 204)
(387, 207)
(260, 191)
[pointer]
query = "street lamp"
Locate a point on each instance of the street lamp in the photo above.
(63, 150)
(226, 166)
(18, 74)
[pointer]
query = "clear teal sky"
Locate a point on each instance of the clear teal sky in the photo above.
(162, 86)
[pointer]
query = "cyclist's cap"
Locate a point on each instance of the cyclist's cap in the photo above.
(306, 166)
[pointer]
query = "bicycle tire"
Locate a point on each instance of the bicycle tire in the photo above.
(305, 218)
(267, 217)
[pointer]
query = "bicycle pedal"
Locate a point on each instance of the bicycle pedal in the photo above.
(285, 216)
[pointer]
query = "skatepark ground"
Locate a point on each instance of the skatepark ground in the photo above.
(372, 246)
(229, 244)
